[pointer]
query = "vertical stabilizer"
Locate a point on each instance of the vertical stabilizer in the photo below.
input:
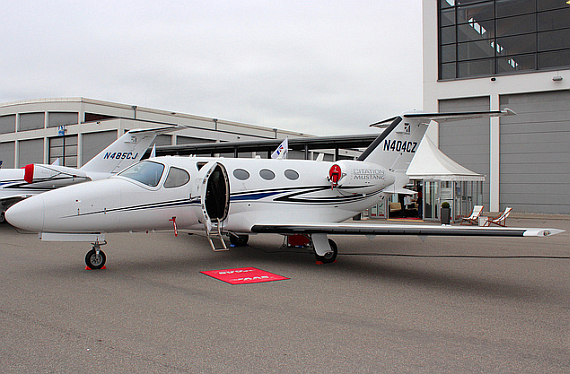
(123, 152)
(398, 143)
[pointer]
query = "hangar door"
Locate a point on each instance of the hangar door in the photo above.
(467, 142)
(535, 153)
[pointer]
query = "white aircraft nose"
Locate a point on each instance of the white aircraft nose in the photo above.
(27, 214)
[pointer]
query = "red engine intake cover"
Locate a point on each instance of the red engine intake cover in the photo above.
(29, 173)
(335, 174)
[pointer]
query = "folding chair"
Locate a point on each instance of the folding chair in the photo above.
(500, 220)
(474, 217)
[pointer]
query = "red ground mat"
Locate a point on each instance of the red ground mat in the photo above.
(243, 275)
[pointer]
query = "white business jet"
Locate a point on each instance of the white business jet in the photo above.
(33, 179)
(239, 197)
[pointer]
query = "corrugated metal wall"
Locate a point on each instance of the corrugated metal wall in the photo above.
(535, 153)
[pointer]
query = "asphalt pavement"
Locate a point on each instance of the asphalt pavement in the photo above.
(388, 305)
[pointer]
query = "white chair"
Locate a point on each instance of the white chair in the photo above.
(474, 217)
(500, 220)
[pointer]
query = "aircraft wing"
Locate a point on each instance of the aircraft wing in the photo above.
(396, 229)
(12, 199)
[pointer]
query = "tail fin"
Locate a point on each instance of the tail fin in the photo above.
(123, 152)
(397, 145)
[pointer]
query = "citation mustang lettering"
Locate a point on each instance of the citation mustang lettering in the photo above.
(240, 197)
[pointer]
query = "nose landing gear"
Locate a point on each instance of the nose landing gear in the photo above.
(95, 258)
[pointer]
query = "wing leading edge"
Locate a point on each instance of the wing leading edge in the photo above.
(382, 229)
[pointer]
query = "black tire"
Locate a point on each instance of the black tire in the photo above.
(2, 217)
(93, 261)
(239, 240)
(330, 256)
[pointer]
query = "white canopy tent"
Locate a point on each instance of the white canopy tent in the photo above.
(444, 180)
(430, 163)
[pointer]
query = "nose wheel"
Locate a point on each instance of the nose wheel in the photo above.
(95, 258)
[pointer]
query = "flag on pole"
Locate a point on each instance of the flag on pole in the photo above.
(281, 151)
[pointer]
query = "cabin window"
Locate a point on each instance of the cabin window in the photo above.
(291, 174)
(176, 178)
(266, 174)
(241, 174)
(145, 172)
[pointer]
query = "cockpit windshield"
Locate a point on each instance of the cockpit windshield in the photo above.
(146, 172)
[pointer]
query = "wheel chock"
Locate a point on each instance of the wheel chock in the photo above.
(322, 263)
(88, 268)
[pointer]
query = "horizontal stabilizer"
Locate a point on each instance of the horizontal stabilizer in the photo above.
(446, 117)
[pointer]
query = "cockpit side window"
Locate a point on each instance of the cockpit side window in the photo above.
(146, 172)
(176, 178)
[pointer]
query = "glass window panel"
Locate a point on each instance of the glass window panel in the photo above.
(146, 172)
(507, 8)
(516, 63)
(551, 4)
(176, 178)
(475, 68)
(475, 50)
(447, 71)
(447, 35)
(553, 20)
(446, 3)
(447, 53)
(553, 40)
(477, 13)
(554, 59)
(71, 140)
(475, 31)
(71, 150)
(447, 17)
(516, 25)
(70, 161)
(56, 152)
(53, 142)
(514, 45)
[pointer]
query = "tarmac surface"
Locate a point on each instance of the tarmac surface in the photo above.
(390, 305)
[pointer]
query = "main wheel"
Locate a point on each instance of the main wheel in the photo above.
(329, 257)
(94, 261)
(239, 240)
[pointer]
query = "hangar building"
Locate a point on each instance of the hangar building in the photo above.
(496, 54)
(76, 129)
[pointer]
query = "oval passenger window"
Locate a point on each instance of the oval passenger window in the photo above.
(266, 174)
(291, 174)
(241, 174)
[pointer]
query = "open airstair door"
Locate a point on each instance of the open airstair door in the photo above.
(214, 191)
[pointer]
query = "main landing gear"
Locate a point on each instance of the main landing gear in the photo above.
(330, 256)
(325, 249)
(95, 258)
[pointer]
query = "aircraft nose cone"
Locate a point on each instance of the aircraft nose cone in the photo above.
(27, 214)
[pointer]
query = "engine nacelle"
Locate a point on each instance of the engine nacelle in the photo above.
(359, 177)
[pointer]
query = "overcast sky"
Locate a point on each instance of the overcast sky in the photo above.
(317, 67)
